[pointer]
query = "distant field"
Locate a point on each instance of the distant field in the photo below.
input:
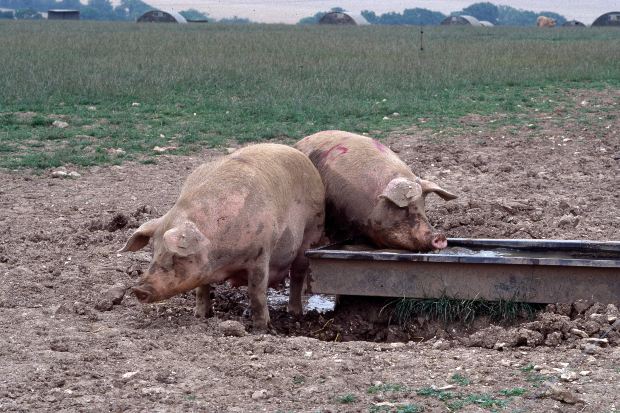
(137, 86)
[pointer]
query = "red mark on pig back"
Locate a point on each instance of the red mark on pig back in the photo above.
(381, 147)
(334, 152)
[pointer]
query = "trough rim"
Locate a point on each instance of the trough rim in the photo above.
(327, 252)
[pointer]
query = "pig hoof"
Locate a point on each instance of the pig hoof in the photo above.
(260, 329)
(203, 312)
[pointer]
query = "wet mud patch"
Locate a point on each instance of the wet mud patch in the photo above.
(374, 319)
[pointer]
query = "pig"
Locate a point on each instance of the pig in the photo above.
(246, 218)
(371, 192)
(543, 21)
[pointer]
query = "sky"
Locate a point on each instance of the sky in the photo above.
(291, 11)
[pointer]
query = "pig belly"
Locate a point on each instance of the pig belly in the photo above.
(276, 278)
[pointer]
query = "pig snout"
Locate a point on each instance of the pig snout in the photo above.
(142, 294)
(439, 242)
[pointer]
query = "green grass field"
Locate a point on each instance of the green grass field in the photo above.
(137, 86)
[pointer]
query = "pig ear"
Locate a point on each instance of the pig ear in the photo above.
(185, 240)
(401, 192)
(141, 237)
(428, 187)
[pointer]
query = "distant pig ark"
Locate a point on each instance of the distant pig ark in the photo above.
(161, 16)
(371, 192)
(343, 18)
(608, 19)
(247, 218)
(461, 21)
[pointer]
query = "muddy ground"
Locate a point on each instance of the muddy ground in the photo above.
(70, 341)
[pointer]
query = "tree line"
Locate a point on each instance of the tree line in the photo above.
(498, 15)
(127, 10)
(130, 10)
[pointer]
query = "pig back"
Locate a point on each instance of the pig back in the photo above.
(355, 170)
(252, 197)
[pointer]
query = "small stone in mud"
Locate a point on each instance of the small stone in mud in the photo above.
(116, 293)
(259, 395)
(105, 304)
(144, 209)
(130, 375)
(60, 345)
(563, 395)
(79, 308)
(63, 309)
(580, 307)
(134, 270)
(232, 328)
(166, 377)
(96, 225)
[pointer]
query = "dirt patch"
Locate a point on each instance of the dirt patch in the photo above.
(72, 338)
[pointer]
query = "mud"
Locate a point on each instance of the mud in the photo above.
(72, 339)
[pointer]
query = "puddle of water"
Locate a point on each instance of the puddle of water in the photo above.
(318, 302)
(490, 253)
(504, 252)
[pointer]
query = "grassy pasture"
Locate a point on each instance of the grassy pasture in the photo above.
(137, 86)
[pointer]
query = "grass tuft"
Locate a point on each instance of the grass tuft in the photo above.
(449, 310)
(346, 398)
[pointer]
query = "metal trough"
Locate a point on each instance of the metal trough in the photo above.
(536, 271)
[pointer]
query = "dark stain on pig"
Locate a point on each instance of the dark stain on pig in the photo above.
(239, 159)
(283, 250)
(179, 267)
(260, 228)
(315, 157)
(338, 226)
(155, 267)
(257, 276)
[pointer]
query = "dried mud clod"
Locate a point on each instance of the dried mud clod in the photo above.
(575, 324)
(119, 221)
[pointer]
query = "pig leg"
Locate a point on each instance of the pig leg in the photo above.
(203, 301)
(258, 279)
(299, 268)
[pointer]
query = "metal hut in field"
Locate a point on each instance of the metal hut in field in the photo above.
(337, 17)
(461, 21)
(608, 19)
(573, 23)
(485, 23)
(58, 14)
(161, 16)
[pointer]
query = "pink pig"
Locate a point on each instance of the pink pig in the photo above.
(370, 191)
(247, 218)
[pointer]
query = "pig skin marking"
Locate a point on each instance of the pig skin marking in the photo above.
(336, 148)
(381, 147)
(156, 267)
(238, 159)
(259, 229)
(260, 252)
